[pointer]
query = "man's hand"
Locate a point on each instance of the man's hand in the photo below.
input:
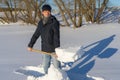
(29, 49)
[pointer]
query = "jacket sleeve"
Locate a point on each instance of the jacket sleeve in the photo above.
(35, 36)
(56, 38)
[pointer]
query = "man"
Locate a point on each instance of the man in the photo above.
(48, 29)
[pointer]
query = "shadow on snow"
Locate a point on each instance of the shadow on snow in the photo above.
(85, 63)
(29, 72)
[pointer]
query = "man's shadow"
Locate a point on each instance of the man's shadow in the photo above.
(83, 65)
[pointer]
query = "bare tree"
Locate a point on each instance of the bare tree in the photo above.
(62, 12)
(32, 12)
(79, 13)
(74, 10)
(67, 12)
(80, 9)
(28, 10)
(10, 12)
(71, 11)
(100, 10)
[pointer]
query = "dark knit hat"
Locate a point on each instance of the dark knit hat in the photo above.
(46, 7)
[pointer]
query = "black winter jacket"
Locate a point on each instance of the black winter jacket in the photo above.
(50, 35)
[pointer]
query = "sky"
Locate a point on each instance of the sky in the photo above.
(114, 2)
(111, 2)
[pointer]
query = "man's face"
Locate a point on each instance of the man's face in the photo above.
(46, 13)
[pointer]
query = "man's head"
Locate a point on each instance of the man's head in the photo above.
(46, 10)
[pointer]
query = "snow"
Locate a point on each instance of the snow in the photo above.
(54, 74)
(69, 54)
(99, 60)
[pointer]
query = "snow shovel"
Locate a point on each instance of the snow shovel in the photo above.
(42, 52)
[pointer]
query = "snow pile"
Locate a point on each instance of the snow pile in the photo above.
(69, 54)
(53, 74)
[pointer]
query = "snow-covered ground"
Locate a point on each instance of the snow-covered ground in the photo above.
(100, 59)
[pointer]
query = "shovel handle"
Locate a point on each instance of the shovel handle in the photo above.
(43, 52)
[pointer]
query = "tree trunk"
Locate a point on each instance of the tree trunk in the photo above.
(68, 12)
(62, 12)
